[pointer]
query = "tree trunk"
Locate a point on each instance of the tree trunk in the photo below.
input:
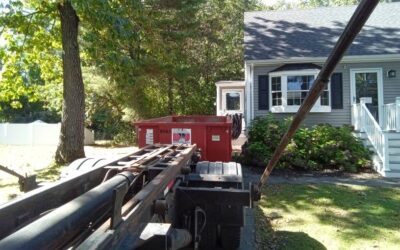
(71, 145)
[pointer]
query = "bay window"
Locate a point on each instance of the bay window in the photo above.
(290, 88)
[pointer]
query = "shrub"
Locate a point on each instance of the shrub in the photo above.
(322, 146)
(264, 134)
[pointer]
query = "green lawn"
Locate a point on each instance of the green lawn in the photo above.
(328, 217)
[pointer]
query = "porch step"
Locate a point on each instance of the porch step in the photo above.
(378, 166)
(394, 142)
(394, 166)
(394, 157)
(394, 154)
(393, 135)
(392, 174)
(394, 163)
(394, 150)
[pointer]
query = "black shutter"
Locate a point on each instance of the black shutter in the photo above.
(337, 91)
(263, 95)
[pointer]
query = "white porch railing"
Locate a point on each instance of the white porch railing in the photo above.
(356, 116)
(364, 121)
(391, 116)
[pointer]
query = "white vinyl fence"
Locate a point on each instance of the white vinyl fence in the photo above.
(35, 133)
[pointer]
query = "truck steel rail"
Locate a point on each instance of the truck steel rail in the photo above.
(155, 198)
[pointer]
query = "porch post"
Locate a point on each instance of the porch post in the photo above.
(363, 102)
(385, 160)
(397, 115)
(248, 80)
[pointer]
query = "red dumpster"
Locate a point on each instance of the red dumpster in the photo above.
(212, 134)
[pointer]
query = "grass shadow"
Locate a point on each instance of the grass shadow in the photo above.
(51, 173)
(353, 214)
(110, 144)
(269, 239)
(10, 184)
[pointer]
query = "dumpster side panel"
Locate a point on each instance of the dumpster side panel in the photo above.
(148, 135)
(199, 137)
(212, 134)
(218, 144)
(165, 134)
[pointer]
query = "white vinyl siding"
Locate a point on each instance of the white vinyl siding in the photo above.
(337, 117)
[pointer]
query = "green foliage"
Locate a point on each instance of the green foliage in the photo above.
(164, 57)
(264, 134)
(31, 59)
(267, 130)
(325, 146)
(322, 146)
(153, 57)
(104, 114)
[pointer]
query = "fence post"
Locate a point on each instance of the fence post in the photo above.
(397, 114)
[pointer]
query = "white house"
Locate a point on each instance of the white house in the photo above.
(284, 51)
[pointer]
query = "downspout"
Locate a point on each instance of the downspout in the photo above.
(252, 91)
(248, 92)
(218, 100)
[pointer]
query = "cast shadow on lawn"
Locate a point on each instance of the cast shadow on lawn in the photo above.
(10, 184)
(50, 173)
(359, 212)
(267, 238)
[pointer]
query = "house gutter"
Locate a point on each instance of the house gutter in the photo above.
(345, 59)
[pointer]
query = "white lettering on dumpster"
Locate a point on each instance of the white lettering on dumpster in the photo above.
(181, 136)
(149, 136)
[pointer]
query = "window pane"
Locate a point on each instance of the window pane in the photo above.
(300, 82)
(276, 91)
(298, 87)
(276, 98)
(296, 97)
(276, 83)
(325, 98)
(233, 101)
(367, 86)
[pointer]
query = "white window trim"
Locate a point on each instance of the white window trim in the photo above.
(284, 108)
(241, 100)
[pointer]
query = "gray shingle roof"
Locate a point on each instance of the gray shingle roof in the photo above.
(313, 32)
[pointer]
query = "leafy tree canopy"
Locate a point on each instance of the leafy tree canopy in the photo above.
(142, 58)
(30, 57)
(160, 56)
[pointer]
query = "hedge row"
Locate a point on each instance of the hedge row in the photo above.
(320, 147)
